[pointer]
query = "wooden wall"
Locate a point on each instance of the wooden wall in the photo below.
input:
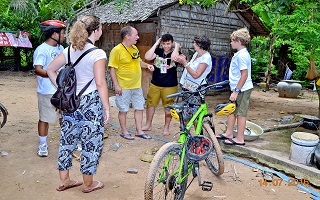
(111, 37)
(185, 22)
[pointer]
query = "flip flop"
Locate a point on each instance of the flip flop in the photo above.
(232, 142)
(65, 187)
(221, 137)
(144, 136)
(127, 136)
(100, 185)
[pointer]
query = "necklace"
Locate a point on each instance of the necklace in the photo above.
(88, 40)
(166, 54)
(135, 55)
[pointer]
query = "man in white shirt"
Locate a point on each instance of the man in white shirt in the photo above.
(54, 31)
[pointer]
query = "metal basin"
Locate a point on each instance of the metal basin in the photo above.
(252, 131)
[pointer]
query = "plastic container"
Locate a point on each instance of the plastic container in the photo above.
(302, 147)
(310, 122)
(116, 146)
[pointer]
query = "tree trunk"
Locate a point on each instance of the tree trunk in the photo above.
(270, 63)
(284, 61)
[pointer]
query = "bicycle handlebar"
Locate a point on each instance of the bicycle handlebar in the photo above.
(215, 85)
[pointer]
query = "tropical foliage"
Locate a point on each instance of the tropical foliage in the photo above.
(295, 24)
(292, 23)
(26, 15)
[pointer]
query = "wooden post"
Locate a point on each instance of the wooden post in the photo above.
(270, 63)
(17, 61)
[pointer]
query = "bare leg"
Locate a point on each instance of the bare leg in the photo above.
(138, 115)
(149, 115)
(90, 185)
(43, 128)
(241, 125)
(167, 121)
(87, 181)
(123, 122)
(65, 179)
(230, 126)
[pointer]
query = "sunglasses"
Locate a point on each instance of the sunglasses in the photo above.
(135, 55)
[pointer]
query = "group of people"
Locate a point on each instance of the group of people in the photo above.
(86, 124)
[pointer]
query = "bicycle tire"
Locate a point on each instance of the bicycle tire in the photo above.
(215, 160)
(3, 116)
(166, 189)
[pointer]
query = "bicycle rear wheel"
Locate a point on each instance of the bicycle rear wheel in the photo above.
(161, 181)
(215, 160)
(3, 116)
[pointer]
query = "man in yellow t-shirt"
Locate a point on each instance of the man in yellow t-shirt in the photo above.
(125, 70)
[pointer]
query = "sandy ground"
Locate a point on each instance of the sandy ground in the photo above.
(24, 175)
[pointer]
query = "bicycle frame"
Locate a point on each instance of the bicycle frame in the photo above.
(170, 168)
(184, 134)
(199, 115)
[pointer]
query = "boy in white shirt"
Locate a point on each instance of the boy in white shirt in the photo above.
(240, 85)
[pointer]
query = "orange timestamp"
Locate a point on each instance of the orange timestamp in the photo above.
(279, 182)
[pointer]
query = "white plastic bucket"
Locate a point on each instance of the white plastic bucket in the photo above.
(302, 147)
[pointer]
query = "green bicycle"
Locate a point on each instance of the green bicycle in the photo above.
(175, 161)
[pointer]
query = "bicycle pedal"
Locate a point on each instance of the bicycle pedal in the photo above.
(207, 186)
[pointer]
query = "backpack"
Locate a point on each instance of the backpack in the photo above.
(65, 98)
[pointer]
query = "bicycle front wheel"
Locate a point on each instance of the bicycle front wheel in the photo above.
(161, 181)
(3, 116)
(215, 160)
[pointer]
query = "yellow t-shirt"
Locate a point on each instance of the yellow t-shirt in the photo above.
(127, 69)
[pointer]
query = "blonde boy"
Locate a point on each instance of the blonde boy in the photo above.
(240, 85)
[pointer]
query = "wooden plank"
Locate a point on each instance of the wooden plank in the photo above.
(144, 44)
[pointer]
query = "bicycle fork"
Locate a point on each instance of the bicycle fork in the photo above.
(205, 185)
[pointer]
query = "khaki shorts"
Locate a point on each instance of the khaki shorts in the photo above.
(156, 93)
(242, 103)
(47, 112)
(133, 96)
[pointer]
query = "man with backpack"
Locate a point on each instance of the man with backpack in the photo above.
(54, 31)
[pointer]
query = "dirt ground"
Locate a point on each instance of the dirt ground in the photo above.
(24, 175)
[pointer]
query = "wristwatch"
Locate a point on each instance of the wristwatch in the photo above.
(237, 90)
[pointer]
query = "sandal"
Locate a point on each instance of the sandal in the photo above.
(127, 136)
(100, 185)
(144, 136)
(221, 137)
(65, 187)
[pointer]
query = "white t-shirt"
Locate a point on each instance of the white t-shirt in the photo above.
(44, 55)
(194, 64)
(84, 69)
(240, 61)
